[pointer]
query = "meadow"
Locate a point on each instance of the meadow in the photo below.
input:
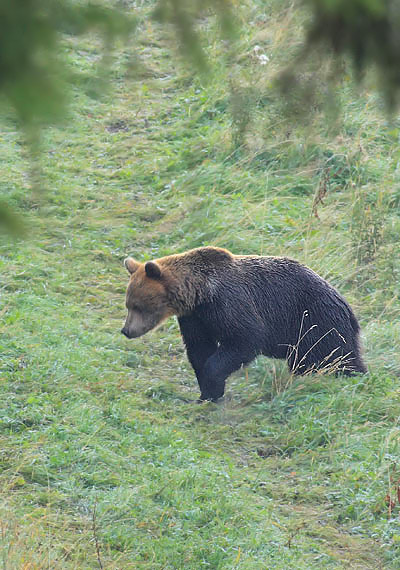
(105, 461)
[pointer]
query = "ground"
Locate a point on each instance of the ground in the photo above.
(105, 461)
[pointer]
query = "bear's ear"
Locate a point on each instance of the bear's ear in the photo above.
(131, 264)
(153, 270)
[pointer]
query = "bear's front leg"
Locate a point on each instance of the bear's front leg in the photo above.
(218, 367)
(199, 345)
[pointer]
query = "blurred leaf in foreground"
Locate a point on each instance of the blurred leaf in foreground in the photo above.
(33, 72)
(366, 31)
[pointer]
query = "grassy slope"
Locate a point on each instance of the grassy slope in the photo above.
(99, 446)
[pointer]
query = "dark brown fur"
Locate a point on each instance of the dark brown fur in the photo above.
(231, 308)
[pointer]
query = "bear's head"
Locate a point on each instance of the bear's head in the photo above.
(147, 298)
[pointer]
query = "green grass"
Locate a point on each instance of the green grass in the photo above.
(104, 459)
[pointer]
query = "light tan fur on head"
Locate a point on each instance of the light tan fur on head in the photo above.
(146, 298)
(171, 285)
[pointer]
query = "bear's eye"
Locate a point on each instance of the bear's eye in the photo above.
(135, 308)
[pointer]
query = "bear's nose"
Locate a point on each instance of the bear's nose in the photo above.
(125, 332)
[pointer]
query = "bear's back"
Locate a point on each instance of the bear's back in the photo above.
(277, 293)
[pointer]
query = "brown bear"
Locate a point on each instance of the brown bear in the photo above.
(231, 308)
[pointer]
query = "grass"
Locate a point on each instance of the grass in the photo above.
(105, 463)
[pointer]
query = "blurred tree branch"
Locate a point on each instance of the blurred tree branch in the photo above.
(33, 72)
(183, 16)
(366, 30)
(34, 75)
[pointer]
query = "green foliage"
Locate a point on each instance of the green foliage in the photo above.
(35, 74)
(366, 30)
(32, 66)
(185, 16)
